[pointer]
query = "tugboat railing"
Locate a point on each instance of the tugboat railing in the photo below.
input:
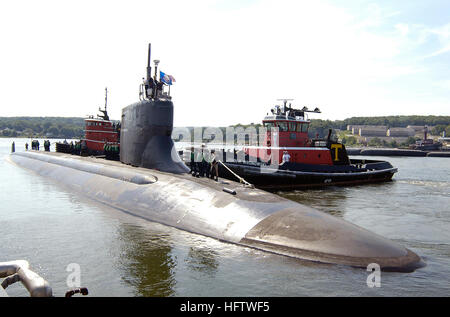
(19, 271)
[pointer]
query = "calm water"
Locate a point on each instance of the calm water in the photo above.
(121, 255)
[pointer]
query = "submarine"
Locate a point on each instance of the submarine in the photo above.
(151, 182)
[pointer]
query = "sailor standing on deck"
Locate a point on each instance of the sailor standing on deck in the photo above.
(198, 162)
(193, 167)
(214, 166)
(203, 162)
(195, 170)
(207, 163)
(286, 157)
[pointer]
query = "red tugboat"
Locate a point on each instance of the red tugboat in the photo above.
(102, 137)
(289, 159)
(101, 134)
(291, 137)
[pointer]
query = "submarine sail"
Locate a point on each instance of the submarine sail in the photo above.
(146, 134)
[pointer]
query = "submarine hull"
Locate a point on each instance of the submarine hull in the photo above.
(251, 217)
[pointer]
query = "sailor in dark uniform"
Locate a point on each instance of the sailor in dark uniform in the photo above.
(214, 166)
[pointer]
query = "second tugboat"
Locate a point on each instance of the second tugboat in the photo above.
(289, 159)
(101, 134)
(102, 137)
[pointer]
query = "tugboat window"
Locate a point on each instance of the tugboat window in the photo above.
(299, 127)
(304, 128)
(283, 126)
(292, 126)
(268, 125)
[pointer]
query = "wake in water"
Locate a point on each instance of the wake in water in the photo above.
(424, 183)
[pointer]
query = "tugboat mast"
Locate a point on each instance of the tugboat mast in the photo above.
(286, 110)
(105, 113)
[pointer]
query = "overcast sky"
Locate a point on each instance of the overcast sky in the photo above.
(231, 59)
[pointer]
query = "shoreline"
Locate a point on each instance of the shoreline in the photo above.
(370, 151)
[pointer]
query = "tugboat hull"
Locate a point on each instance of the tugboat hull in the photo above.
(296, 176)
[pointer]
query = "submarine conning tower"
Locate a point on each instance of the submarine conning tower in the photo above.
(146, 133)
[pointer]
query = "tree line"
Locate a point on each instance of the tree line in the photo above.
(320, 127)
(439, 123)
(49, 127)
(73, 127)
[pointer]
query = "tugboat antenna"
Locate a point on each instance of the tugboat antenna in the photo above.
(292, 111)
(106, 97)
(105, 113)
(285, 100)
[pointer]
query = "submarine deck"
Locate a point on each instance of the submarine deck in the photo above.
(251, 217)
(242, 192)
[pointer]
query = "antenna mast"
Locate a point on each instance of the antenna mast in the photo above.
(106, 97)
(149, 60)
(151, 88)
(147, 88)
(105, 113)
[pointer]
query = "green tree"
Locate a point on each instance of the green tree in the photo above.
(375, 142)
(54, 131)
(393, 143)
(349, 140)
(437, 130)
(6, 132)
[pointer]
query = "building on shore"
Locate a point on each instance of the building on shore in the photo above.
(384, 139)
(372, 131)
(367, 130)
(350, 127)
(400, 132)
(417, 128)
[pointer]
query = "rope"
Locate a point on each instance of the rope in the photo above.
(241, 180)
